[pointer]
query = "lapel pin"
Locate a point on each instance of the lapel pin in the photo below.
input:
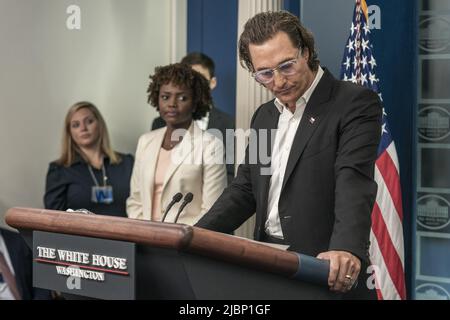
(312, 120)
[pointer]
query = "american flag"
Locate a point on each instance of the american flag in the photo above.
(386, 236)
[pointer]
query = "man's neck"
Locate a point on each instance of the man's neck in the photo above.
(291, 106)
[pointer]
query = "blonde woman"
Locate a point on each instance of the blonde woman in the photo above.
(89, 174)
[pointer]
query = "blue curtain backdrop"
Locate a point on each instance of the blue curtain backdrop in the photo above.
(212, 29)
(292, 6)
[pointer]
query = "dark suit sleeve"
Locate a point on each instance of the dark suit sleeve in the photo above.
(235, 205)
(158, 123)
(355, 191)
(223, 122)
(229, 121)
(55, 197)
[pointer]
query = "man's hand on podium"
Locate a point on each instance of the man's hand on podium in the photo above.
(344, 270)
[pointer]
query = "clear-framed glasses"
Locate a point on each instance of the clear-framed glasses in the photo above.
(287, 68)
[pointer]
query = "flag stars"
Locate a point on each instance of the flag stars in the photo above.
(372, 78)
(345, 77)
(383, 129)
(381, 99)
(355, 63)
(350, 45)
(366, 29)
(353, 28)
(347, 63)
(363, 78)
(353, 78)
(364, 61)
(365, 44)
(372, 62)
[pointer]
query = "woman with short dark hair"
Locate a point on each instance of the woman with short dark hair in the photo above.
(179, 157)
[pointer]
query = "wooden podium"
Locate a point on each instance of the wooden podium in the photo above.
(171, 261)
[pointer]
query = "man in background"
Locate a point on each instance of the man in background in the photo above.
(214, 119)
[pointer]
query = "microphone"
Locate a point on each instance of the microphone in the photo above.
(176, 198)
(187, 199)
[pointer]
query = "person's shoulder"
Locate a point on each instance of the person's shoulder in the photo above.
(158, 123)
(219, 113)
(206, 135)
(221, 120)
(267, 109)
(9, 233)
(353, 98)
(55, 165)
(211, 142)
(340, 87)
(148, 137)
(57, 172)
(57, 169)
(11, 237)
(126, 157)
(126, 162)
(350, 89)
(152, 134)
(354, 94)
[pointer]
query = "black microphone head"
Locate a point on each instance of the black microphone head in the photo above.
(177, 197)
(188, 197)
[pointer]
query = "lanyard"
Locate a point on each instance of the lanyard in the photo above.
(105, 178)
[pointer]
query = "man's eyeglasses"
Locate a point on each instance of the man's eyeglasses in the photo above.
(287, 68)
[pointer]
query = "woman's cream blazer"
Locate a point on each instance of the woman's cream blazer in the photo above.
(197, 166)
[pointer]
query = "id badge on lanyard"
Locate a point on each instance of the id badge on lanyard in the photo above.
(101, 194)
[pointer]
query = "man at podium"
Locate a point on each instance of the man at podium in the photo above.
(316, 194)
